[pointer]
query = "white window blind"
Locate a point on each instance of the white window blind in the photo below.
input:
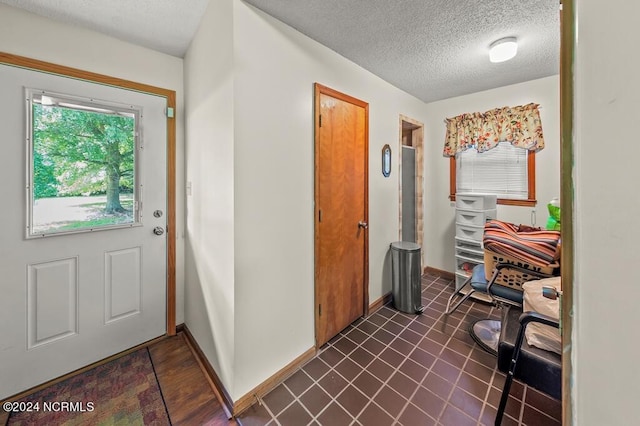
(501, 171)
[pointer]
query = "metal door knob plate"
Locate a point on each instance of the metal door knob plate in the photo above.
(158, 230)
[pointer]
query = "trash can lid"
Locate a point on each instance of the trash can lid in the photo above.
(405, 246)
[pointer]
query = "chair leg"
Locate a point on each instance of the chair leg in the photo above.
(486, 333)
(507, 383)
(458, 293)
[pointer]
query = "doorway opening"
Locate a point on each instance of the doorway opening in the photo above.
(411, 190)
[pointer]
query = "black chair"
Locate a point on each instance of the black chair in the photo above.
(538, 368)
(505, 290)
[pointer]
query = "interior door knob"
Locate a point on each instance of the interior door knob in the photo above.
(363, 225)
(158, 230)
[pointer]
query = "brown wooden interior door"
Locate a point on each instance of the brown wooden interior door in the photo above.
(341, 245)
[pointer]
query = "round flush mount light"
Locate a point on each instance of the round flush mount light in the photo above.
(503, 49)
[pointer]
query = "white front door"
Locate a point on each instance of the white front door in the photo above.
(82, 272)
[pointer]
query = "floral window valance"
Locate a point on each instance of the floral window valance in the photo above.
(520, 125)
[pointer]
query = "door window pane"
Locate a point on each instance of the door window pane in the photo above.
(82, 164)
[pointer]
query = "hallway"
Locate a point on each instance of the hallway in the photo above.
(388, 369)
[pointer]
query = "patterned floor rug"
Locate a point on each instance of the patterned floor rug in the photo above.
(124, 391)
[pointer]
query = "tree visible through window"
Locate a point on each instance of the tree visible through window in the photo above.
(82, 165)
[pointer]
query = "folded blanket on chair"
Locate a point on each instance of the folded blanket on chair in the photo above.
(536, 247)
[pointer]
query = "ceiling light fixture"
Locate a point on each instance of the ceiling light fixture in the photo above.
(503, 49)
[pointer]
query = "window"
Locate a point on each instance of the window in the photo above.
(81, 164)
(507, 171)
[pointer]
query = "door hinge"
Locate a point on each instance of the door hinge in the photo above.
(319, 310)
(320, 121)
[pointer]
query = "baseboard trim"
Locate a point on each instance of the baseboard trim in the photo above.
(265, 387)
(230, 407)
(435, 271)
(219, 390)
(379, 303)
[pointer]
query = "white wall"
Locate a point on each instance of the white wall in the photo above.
(209, 288)
(439, 211)
(26, 34)
(605, 345)
(275, 68)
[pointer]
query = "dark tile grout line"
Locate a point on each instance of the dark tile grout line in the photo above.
(461, 368)
(344, 334)
(364, 369)
(490, 383)
(434, 285)
(406, 357)
(485, 403)
(429, 370)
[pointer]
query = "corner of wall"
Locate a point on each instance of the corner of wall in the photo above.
(209, 226)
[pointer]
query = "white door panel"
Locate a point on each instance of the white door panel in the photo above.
(69, 300)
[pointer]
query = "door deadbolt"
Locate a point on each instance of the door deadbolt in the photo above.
(157, 213)
(158, 230)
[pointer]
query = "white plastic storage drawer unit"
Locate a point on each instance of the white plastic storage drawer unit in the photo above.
(472, 212)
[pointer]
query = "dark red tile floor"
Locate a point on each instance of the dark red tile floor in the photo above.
(393, 368)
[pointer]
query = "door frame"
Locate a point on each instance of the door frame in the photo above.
(417, 135)
(318, 90)
(170, 95)
(567, 256)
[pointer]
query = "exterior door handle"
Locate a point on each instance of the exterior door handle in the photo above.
(363, 225)
(158, 230)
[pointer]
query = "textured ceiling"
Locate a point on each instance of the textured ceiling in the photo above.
(432, 49)
(163, 25)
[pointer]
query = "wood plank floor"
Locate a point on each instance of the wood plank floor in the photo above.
(186, 391)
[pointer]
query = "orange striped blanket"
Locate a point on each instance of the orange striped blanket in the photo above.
(536, 247)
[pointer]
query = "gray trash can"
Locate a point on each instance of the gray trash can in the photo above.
(405, 272)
